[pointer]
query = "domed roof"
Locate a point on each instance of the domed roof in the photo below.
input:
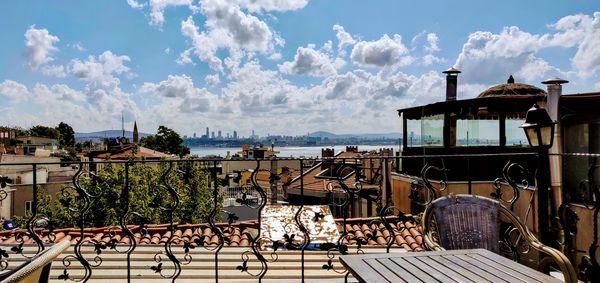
(512, 88)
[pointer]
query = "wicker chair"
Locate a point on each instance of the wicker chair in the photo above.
(37, 269)
(471, 222)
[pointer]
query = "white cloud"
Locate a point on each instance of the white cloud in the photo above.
(343, 37)
(135, 4)
(489, 58)
(433, 41)
(385, 52)
(40, 44)
(212, 79)
(167, 50)
(77, 46)
(430, 59)
(157, 9)
(100, 73)
(12, 90)
(228, 27)
(54, 71)
(184, 58)
(587, 58)
(272, 5)
(179, 90)
(309, 61)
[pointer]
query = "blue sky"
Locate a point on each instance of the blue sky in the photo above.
(277, 66)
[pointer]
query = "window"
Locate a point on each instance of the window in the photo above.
(28, 207)
(580, 138)
(477, 133)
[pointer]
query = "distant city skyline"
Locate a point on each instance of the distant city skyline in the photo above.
(279, 67)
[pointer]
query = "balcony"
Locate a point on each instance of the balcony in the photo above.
(178, 220)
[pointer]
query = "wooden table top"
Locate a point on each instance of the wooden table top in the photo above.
(476, 265)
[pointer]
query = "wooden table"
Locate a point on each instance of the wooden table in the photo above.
(477, 265)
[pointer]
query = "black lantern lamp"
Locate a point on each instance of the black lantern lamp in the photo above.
(539, 128)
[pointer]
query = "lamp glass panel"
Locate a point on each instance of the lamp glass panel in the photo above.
(532, 136)
(546, 134)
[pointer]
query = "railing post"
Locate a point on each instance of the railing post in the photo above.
(543, 187)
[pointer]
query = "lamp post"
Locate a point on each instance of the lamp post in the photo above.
(539, 129)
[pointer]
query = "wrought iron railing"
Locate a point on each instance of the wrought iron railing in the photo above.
(167, 188)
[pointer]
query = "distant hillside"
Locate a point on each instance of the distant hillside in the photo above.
(97, 136)
(329, 135)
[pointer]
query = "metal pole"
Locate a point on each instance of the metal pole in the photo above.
(543, 184)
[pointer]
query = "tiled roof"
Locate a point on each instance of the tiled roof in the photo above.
(142, 152)
(365, 230)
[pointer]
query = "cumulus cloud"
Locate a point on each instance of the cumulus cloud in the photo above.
(12, 90)
(40, 44)
(587, 58)
(228, 27)
(212, 79)
(157, 9)
(135, 4)
(343, 37)
(180, 90)
(385, 52)
(272, 5)
(100, 73)
(432, 40)
(487, 57)
(54, 71)
(309, 61)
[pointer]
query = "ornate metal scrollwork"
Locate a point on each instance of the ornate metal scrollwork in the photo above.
(256, 241)
(514, 175)
(432, 191)
(589, 268)
(82, 199)
(169, 209)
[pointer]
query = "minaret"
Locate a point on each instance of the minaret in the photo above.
(135, 133)
(123, 124)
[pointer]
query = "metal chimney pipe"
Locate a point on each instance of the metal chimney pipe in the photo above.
(451, 83)
(554, 87)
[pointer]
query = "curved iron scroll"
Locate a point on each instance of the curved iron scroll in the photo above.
(516, 176)
(4, 181)
(255, 245)
(170, 210)
(82, 200)
(432, 191)
(341, 246)
(589, 268)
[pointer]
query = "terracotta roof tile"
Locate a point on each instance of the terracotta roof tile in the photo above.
(366, 230)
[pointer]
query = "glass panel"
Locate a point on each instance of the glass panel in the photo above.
(413, 127)
(575, 168)
(432, 131)
(547, 134)
(533, 137)
(477, 132)
(515, 136)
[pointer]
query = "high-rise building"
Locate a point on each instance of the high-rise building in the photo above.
(194, 135)
(219, 135)
(207, 136)
(212, 136)
(235, 135)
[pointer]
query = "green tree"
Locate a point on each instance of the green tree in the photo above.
(166, 140)
(43, 131)
(66, 135)
(147, 193)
